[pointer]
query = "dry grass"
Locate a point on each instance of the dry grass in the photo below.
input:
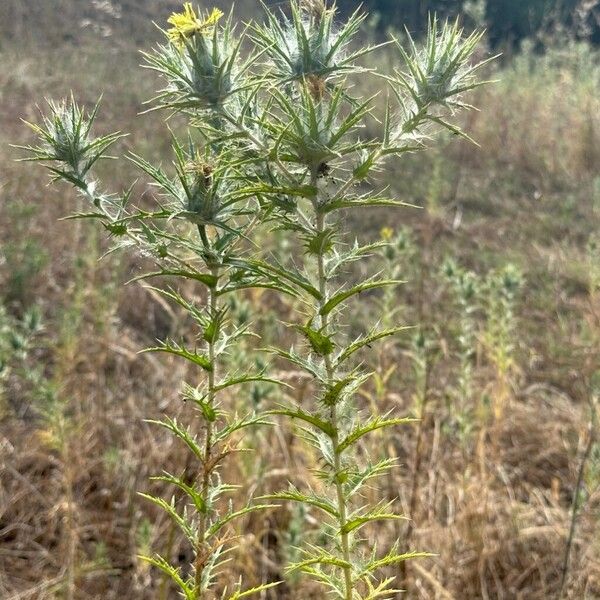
(497, 520)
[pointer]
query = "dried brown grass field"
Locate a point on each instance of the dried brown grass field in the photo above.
(494, 505)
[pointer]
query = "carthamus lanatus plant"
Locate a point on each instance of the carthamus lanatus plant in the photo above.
(275, 138)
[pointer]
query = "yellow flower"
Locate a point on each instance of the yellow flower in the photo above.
(387, 233)
(188, 23)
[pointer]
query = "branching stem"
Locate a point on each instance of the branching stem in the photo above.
(333, 417)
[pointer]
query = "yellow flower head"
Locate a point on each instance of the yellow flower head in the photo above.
(188, 23)
(387, 233)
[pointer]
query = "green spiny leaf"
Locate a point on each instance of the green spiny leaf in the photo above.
(324, 558)
(181, 433)
(235, 425)
(174, 574)
(197, 499)
(200, 400)
(254, 590)
(353, 291)
(169, 508)
(311, 498)
(358, 522)
(220, 523)
(392, 558)
(343, 388)
(320, 343)
(372, 425)
(367, 340)
(298, 413)
(173, 348)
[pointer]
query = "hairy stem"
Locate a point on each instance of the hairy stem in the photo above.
(333, 417)
(202, 551)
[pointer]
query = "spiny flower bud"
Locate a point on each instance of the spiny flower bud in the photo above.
(200, 62)
(65, 139)
(440, 73)
(309, 44)
(202, 200)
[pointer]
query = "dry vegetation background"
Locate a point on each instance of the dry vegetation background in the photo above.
(74, 449)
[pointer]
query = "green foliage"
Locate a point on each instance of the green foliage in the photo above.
(206, 192)
(275, 138)
(23, 256)
(67, 145)
(316, 131)
(494, 297)
(440, 72)
(397, 252)
(16, 336)
(501, 293)
(310, 44)
(465, 288)
(202, 70)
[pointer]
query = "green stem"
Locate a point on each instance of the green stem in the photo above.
(333, 417)
(203, 237)
(202, 551)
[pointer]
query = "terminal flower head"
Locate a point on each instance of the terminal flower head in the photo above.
(189, 22)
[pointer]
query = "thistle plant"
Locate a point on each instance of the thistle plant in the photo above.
(323, 166)
(465, 290)
(397, 255)
(422, 354)
(196, 235)
(310, 44)
(501, 293)
(59, 435)
(274, 136)
(16, 338)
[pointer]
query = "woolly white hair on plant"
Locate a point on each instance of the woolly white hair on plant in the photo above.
(273, 139)
(315, 125)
